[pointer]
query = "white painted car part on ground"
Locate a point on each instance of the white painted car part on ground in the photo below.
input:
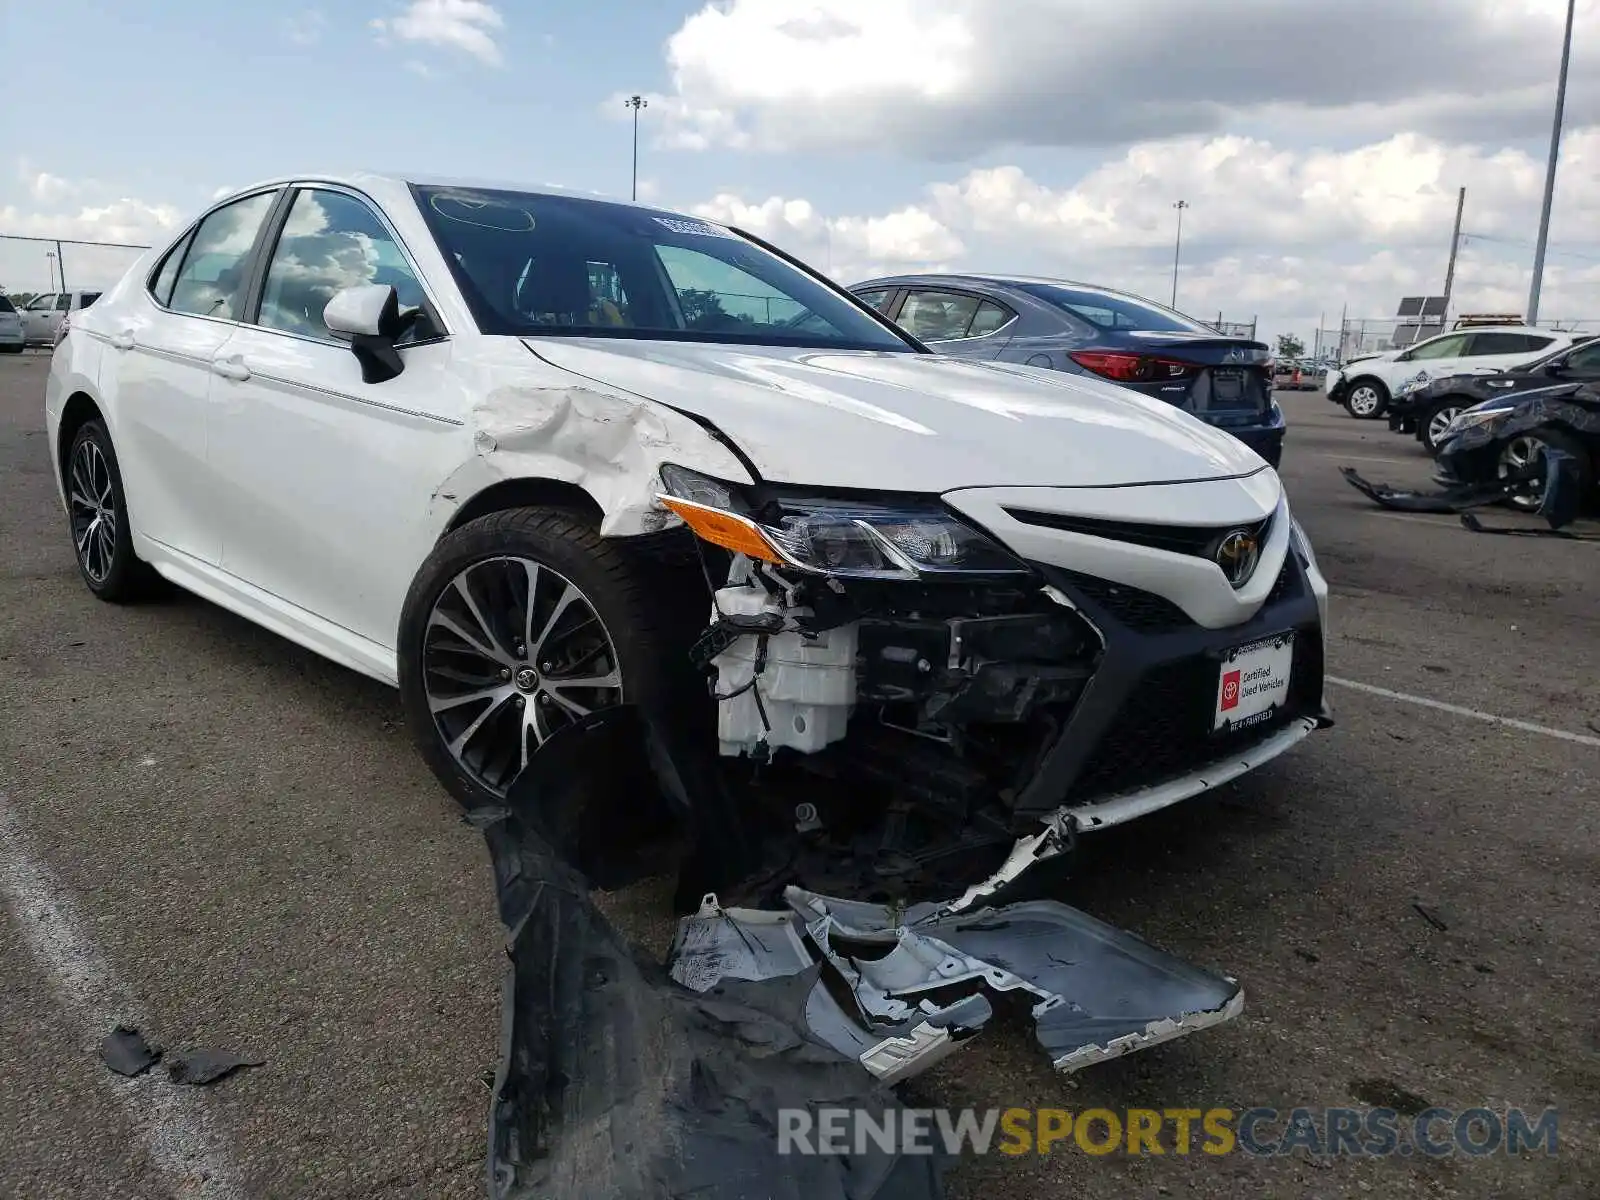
(1098, 993)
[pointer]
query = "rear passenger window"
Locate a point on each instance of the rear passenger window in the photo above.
(990, 317)
(64, 302)
(212, 279)
(1506, 343)
(937, 316)
(87, 298)
(161, 289)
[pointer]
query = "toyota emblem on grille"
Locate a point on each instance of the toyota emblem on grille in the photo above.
(1237, 553)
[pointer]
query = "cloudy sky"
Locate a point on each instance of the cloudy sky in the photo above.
(1319, 145)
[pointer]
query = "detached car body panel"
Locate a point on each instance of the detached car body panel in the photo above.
(1092, 332)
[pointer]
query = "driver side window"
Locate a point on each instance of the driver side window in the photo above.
(1585, 360)
(1445, 347)
(331, 241)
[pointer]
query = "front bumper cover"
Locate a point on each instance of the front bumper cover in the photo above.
(1140, 736)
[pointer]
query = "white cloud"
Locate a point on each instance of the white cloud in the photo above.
(950, 78)
(466, 25)
(910, 239)
(1273, 231)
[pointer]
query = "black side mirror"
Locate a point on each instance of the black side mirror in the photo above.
(1556, 366)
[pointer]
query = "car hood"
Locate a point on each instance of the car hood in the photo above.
(910, 422)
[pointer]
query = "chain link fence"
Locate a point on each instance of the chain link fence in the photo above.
(1375, 335)
(1235, 328)
(31, 267)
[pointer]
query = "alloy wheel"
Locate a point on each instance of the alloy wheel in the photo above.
(1364, 400)
(91, 501)
(513, 651)
(1439, 422)
(1521, 453)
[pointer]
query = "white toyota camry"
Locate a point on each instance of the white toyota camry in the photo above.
(529, 455)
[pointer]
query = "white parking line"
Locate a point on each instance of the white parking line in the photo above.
(1582, 739)
(177, 1129)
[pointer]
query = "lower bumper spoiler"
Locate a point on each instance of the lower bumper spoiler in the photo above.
(1559, 497)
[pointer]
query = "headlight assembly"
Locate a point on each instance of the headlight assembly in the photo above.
(1475, 417)
(1416, 383)
(845, 538)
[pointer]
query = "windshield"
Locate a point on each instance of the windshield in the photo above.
(1114, 310)
(6, 305)
(537, 264)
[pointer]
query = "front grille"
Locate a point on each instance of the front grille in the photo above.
(1144, 611)
(1164, 728)
(1150, 613)
(1196, 540)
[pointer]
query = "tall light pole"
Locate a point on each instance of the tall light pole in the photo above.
(1177, 249)
(1550, 171)
(50, 264)
(1455, 245)
(636, 103)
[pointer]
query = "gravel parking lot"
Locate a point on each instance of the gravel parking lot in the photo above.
(217, 835)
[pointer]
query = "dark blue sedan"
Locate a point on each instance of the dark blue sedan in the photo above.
(1225, 381)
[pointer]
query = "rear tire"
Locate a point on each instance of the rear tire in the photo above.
(102, 537)
(524, 664)
(1366, 399)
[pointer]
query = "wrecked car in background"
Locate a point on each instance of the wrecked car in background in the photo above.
(1427, 406)
(1507, 438)
(902, 626)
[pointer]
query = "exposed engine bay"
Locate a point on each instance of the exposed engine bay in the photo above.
(898, 692)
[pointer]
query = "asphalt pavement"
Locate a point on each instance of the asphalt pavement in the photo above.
(216, 835)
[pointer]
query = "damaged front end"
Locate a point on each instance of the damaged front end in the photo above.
(927, 706)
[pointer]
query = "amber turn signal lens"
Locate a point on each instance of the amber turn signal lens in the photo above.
(723, 529)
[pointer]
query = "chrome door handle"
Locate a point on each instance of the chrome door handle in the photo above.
(122, 341)
(231, 368)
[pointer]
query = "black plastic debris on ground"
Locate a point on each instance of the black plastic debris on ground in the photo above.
(126, 1051)
(1448, 500)
(200, 1067)
(617, 1083)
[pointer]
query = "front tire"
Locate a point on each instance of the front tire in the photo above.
(97, 508)
(1432, 423)
(1526, 449)
(517, 624)
(1366, 400)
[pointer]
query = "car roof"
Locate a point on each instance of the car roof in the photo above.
(392, 184)
(957, 277)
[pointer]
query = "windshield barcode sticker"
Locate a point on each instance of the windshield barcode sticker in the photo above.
(696, 227)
